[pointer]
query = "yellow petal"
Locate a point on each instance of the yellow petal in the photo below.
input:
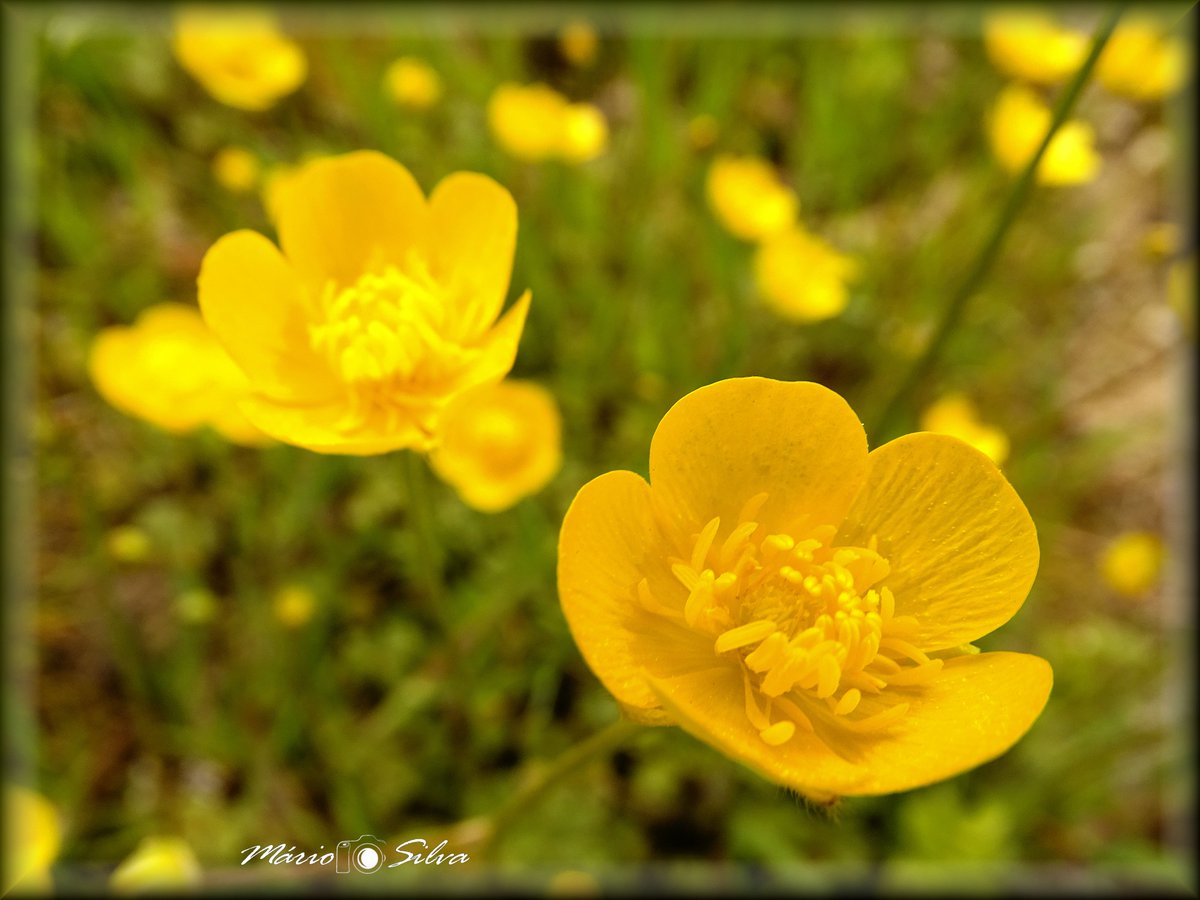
(721, 445)
(499, 348)
(472, 236)
(255, 305)
(607, 546)
(320, 428)
(962, 548)
(346, 215)
(975, 709)
(32, 837)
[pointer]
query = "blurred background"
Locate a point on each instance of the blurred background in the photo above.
(237, 645)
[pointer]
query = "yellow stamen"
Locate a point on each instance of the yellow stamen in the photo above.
(744, 635)
(849, 701)
(779, 733)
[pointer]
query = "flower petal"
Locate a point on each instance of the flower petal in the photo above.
(316, 428)
(721, 445)
(607, 546)
(499, 348)
(472, 237)
(977, 708)
(347, 215)
(255, 305)
(962, 548)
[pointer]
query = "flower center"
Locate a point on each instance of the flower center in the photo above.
(384, 336)
(809, 623)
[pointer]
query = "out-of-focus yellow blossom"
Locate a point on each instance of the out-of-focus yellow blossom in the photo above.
(955, 415)
(128, 544)
(413, 83)
(535, 122)
(236, 169)
(1141, 62)
(500, 443)
(578, 43)
(379, 310)
(803, 605)
(239, 56)
(703, 131)
(749, 198)
(294, 605)
(1181, 292)
(1133, 562)
(1032, 46)
(1016, 126)
(158, 864)
(1161, 240)
(32, 837)
(802, 277)
(168, 369)
(196, 606)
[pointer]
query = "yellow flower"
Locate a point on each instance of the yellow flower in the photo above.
(413, 83)
(1032, 46)
(1132, 564)
(128, 544)
(158, 864)
(500, 443)
(800, 604)
(955, 415)
(1018, 123)
(578, 43)
(32, 838)
(703, 131)
(167, 369)
(749, 198)
(236, 169)
(535, 122)
(380, 309)
(801, 276)
(239, 56)
(1161, 240)
(1141, 62)
(294, 605)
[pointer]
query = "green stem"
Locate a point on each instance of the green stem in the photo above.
(481, 834)
(430, 558)
(987, 256)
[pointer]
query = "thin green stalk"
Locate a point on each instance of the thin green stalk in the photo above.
(987, 256)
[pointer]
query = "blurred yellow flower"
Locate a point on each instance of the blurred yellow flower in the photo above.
(1032, 46)
(955, 415)
(499, 443)
(802, 277)
(803, 605)
(128, 544)
(535, 122)
(238, 55)
(1161, 240)
(380, 309)
(236, 169)
(158, 864)
(1018, 122)
(413, 83)
(294, 605)
(703, 131)
(578, 42)
(1132, 564)
(749, 198)
(1141, 62)
(169, 370)
(32, 838)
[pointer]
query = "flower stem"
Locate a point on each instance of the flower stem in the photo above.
(885, 420)
(480, 834)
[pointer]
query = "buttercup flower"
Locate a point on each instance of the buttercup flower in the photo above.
(128, 544)
(1141, 62)
(749, 198)
(32, 837)
(158, 864)
(578, 43)
(1016, 126)
(413, 83)
(380, 309)
(1032, 46)
(236, 169)
(239, 56)
(802, 605)
(169, 370)
(1132, 564)
(499, 443)
(535, 122)
(955, 415)
(294, 605)
(802, 277)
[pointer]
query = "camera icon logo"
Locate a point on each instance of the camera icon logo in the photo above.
(364, 855)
